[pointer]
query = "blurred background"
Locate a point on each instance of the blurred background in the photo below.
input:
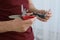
(47, 30)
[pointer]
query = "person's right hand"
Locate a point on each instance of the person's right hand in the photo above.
(22, 25)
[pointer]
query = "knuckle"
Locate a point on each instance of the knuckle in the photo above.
(24, 29)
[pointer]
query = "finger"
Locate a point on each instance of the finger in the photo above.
(33, 19)
(27, 21)
(44, 20)
(48, 14)
(29, 14)
(49, 11)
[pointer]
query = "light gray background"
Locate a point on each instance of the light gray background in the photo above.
(47, 30)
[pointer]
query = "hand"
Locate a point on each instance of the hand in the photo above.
(48, 15)
(22, 25)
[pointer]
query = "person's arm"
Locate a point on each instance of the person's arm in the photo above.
(33, 9)
(15, 25)
(31, 6)
(5, 26)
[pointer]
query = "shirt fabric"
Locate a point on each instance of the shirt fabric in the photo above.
(13, 7)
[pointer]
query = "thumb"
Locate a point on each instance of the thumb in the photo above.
(33, 19)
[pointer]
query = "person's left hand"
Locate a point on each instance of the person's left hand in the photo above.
(48, 15)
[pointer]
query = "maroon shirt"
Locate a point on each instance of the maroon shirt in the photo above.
(13, 7)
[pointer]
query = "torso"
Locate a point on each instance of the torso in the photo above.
(12, 7)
